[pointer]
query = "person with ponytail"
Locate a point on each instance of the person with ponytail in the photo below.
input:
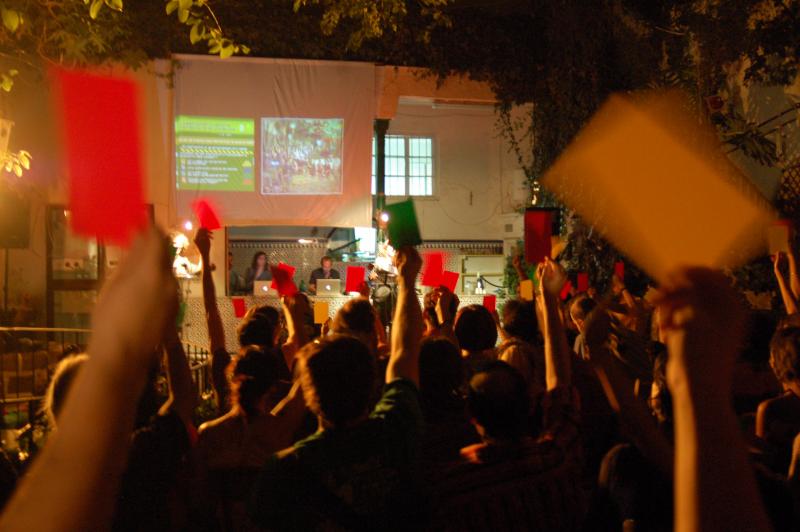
(232, 449)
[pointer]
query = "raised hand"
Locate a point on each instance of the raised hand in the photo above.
(703, 320)
(779, 262)
(203, 242)
(140, 302)
(408, 264)
(445, 302)
(551, 276)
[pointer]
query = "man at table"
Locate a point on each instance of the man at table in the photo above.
(325, 271)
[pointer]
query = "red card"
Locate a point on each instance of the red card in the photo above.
(432, 269)
(282, 279)
(490, 302)
(538, 233)
(239, 307)
(206, 214)
(355, 278)
(566, 290)
(289, 271)
(583, 282)
(619, 270)
(100, 128)
(450, 280)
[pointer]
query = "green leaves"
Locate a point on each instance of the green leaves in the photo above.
(94, 10)
(204, 26)
(7, 80)
(16, 163)
(12, 19)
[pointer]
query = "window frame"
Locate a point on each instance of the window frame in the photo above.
(407, 163)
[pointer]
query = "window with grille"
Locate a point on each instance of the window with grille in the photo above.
(409, 165)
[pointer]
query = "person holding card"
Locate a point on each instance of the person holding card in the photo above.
(258, 271)
(325, 271)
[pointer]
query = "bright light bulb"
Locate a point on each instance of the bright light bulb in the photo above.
(188, 225)
(384, 217)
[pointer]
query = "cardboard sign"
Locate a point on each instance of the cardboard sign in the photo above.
(206, 215)
(566, 290)
(619, 270)
(450, 280)
(282, 279)
(778, 237)
(655, 184)
(583, 282)
(432, 269)
(490, 302)
(355, 278)
(320, 312)
(526, 290)
(100, 129)
(239, 307)
(402, 226)
(538, 234)
(286, 268)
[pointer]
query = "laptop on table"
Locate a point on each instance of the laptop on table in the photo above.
(329, 287)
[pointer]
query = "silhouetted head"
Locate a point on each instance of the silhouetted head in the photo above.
(475, 328)
(337, 376)
(253, 375)
(261, 326)
(519, 320)
(497, 401)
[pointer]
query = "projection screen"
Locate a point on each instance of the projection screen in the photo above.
(274, 142)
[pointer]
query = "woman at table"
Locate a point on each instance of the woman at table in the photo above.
(258, 271)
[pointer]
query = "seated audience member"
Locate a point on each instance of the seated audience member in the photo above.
(476, 332)
(447, 428)
(258, 271)
(73, 482)
(358, 318)
(357, 471)
(511, 481)
(325, 271)
(232, 449)
(778, 419)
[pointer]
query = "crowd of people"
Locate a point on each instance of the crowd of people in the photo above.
(605, 412)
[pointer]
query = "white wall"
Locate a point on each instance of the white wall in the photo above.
(476, 179)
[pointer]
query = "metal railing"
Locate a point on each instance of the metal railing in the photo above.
(29, 355)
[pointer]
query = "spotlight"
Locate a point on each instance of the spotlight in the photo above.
(384, 217)
(188, 225)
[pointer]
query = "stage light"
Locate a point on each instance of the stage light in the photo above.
(384, 217)
(188, 225)
(304, 241)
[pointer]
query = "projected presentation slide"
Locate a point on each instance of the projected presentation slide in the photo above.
(301, 155)
(214, 153)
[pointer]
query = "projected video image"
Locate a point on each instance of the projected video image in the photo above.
(214, 153)
(301, 155)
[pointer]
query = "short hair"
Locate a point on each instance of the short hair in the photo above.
(581, 307)
(323, 259)
(519, 320)
(253, 372)
(63, 377)
(475, 328)
(337, 375)
(497, 400)
(785, 354)
(441, 370)
(258, 327)
(355, 316)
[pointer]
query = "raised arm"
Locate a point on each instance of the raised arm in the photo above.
(216, 331)
(787, 294)
(446, 302)
(618, 387)
(556, 350)
(182, 396)
(407, 327)
(295, 310)
(794, 277)
(715, 488)
(73, 483)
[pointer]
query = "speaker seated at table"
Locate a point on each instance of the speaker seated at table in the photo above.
(329, 287)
